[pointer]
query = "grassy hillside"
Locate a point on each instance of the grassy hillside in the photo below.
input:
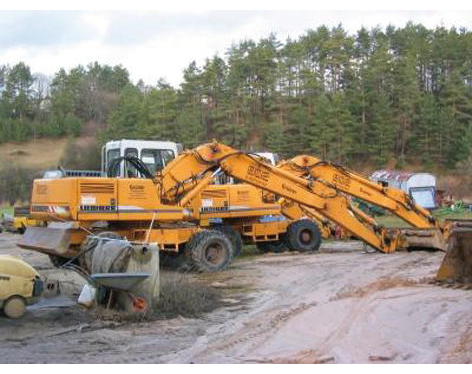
(39, 154)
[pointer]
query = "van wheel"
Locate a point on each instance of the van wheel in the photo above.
(303, 235)
(14, 307)
(209, 251)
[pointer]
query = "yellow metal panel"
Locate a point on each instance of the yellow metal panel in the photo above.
(52, 195)
(97, 198)
(138, 200)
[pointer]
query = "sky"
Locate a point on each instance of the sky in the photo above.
(161, 44)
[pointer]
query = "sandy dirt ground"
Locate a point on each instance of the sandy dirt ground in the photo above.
(337, 306)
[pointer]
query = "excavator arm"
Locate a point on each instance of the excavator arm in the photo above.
(353, 184)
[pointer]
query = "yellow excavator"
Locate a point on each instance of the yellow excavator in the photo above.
(164, 209)
(170, 208)
(452, 236)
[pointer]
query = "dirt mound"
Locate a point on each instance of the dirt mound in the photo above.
(181, 295)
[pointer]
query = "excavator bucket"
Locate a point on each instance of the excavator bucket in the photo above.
(52, 240)
(424, 238)
(456, 266)
(46, 240)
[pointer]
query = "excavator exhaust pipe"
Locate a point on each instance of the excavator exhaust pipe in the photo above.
(456, 266)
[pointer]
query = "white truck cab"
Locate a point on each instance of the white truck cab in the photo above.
(155, 154)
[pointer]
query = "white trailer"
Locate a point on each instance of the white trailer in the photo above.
(420, 186)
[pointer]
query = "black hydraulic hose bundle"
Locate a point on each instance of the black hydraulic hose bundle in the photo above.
(114, 167)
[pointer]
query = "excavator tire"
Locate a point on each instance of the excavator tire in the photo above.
(233, 236)
(209, 251)
(303, 236)
(277, 246)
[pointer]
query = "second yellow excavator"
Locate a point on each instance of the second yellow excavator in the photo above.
(452, 236)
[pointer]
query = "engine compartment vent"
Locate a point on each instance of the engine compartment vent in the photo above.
(212, 194)
(108, 188)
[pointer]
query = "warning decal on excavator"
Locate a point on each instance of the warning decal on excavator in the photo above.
(88, 200)
(341, 180)
(137, 191)
(255, 172)
(289, 189)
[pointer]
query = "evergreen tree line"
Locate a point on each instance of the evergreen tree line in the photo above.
(372, 96)
(34, 105)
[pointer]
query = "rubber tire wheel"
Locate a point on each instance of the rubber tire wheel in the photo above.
(14, 307)
(233, 236)
(295, 230)
(278, 246)
(196, 249)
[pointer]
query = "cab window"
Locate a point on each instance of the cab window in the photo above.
(152, 159)
(156, 159)
(111, 155)
(167, 156)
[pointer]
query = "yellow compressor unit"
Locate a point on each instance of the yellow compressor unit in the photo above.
(20, 285)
